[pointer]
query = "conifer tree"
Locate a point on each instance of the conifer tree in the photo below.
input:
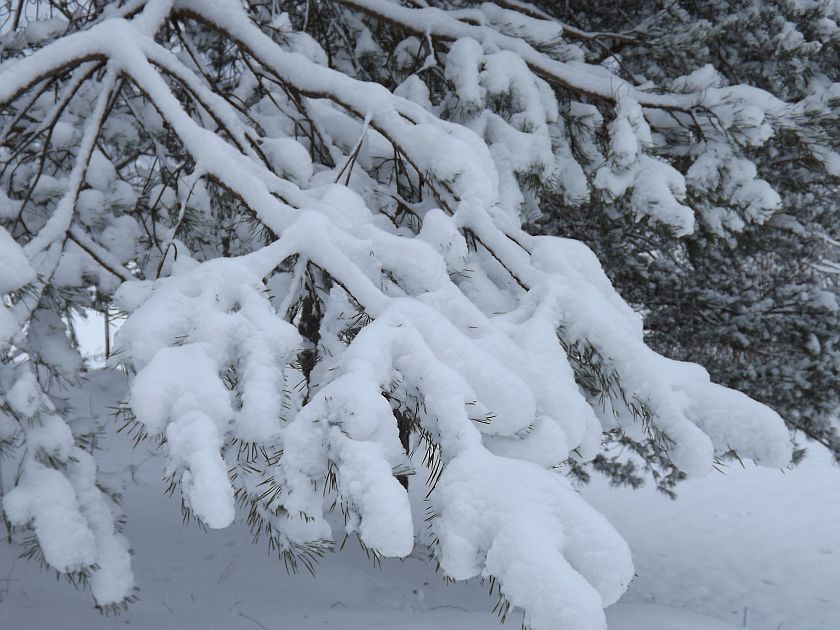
(755, 298)
(311, 215)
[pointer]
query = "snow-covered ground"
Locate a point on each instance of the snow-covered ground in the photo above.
(755, 538)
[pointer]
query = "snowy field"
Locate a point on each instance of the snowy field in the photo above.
(755, 538)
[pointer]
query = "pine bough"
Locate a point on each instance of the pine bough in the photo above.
(319, 248)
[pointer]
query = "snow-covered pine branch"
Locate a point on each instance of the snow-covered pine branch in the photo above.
(319, 248)
(749, 294)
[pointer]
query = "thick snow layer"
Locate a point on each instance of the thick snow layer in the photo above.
(757, 538)
(15, 272)
(728, 543)
(545, 530)
(16, 268)
(213, 351)
(45, 498)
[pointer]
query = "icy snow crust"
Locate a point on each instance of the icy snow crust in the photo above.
(467, 339)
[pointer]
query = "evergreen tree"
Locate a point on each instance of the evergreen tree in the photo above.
(754, 297)
(312, 219)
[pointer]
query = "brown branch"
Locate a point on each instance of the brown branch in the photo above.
(18, 13)
(51, 122)
(335, 97)
(81, 239)
(546, 68)
(54, 71)
(572, 31)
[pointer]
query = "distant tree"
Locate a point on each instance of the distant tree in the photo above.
(753, 295)
(313, 221)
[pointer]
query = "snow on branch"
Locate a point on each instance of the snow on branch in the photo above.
(315, 266)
